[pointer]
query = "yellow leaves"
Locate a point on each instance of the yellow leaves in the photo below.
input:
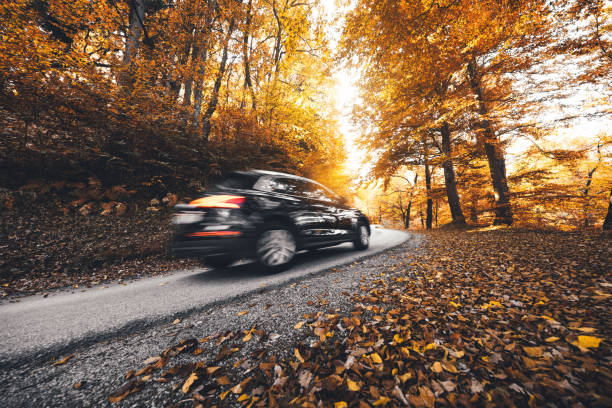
(192, 378)
(437, 367)
(551, 339)
(587, 342)
(382, 401)
(405, 377)
(352, 385)
(375, 357)
(430, 346)
(450, 367)
(586, 329)
(297, 355)
(224, 394)
(248, 335)
(242, 313)
(299, 325)
(340, 404)
(398, 339)
(533, 351)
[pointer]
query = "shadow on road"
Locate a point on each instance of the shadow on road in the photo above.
(248, 269)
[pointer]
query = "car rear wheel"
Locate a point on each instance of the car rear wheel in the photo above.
(362, 241)
(218, 262)
(275, 248)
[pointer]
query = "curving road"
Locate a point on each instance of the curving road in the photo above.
(37, 327)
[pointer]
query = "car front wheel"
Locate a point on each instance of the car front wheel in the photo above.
(362, 241)
(275, 248)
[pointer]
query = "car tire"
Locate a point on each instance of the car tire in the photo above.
(275, 248)
(218, 262)
(362, 241)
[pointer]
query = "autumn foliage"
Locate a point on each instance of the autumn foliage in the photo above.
(132, 94)
(469, 95)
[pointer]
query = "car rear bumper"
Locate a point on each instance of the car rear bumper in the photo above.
(234, 246)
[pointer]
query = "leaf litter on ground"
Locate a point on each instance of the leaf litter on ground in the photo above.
(505, 318)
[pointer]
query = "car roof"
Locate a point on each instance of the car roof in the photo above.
(271, 173)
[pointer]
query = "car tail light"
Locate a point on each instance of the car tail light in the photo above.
(219, 201)
(214, 234)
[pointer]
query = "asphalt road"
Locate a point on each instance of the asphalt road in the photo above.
(36, 327)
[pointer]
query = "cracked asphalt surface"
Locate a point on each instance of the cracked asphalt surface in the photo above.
(274, 303)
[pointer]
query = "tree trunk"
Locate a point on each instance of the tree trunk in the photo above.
(585, 207)
(214, 99)
(607, 225)
(136, 17)
(450, 179)
(197, 92)
(278, 46)
(495, 157)
(407, 216)
(429, 199)
(248, 83)
(202, 49)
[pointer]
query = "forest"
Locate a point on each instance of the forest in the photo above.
(488, 112)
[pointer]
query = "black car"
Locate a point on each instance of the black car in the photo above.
(265, 215)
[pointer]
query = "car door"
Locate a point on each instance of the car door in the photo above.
(324, 204)
(312, 222)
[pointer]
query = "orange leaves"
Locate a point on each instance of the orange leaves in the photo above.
(192, 378)
(63, 360)
(390, 349)
(533, 351)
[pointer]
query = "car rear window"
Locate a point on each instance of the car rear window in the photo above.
(234, 181)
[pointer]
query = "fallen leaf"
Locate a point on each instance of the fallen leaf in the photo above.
(192, 378)
(437, 367)
(587, 342)
(586, 329)
(533, 351)
(376, 358)
(448, 386)
(151, 360)
(476, 386)
(297, 355)
(63, 360)
(352, 385)
(124, 391)
(242, 313)
(298, 325)
(382, 401)
(176, 321)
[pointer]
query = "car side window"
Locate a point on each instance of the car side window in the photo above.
(316, 192)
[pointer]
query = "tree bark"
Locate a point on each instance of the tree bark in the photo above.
(248, 83)
(132, 44)
(495, 157)
(407, 216)
(450, 179)
(429, 219)
(585, 208)
(607, 225)
(278, 46)
(214, 99)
